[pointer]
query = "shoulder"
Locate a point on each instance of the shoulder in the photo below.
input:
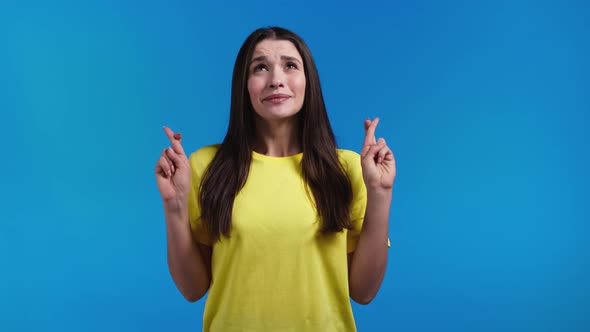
(201, 158)
(351, 163)
(349, 159)
(206, 151)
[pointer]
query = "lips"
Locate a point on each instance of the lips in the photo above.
(276, 98)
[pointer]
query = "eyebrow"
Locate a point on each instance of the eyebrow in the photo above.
(283, 57)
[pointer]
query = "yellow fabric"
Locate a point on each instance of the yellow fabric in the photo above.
(274, 272)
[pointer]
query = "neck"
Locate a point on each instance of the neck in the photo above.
(278, 138)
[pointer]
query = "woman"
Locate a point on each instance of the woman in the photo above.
(269, 221)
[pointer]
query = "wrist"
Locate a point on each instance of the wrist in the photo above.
(379, 193)
(176, 205)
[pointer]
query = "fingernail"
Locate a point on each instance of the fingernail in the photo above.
(178, 136)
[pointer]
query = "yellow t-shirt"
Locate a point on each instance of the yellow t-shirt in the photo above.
(275, 272)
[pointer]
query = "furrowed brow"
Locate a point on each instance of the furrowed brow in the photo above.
(289, 58)
(263, 58)
(258, 59)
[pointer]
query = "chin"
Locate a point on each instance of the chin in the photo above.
(277, 113)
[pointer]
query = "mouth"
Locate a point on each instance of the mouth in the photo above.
(276, 99)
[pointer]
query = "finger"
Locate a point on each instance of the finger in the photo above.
(372, 151)
(368, 123)
(388, 153)
(177, 159)
(159, 169)
(389, 156)
(383, 152)
(365, 149)
(175, 140)
(169, 133)
(375, 122)
(163, 168)
(370, 132)
(168, 160)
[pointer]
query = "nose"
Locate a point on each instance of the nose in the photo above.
(276, 79)
(278, 84)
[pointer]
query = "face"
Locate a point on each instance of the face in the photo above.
(276, 80)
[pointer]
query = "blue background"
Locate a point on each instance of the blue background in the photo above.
(485, 105)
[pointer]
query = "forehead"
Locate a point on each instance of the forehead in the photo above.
(272, 48)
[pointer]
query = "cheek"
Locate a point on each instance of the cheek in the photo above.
(254, 88)
(299, 85)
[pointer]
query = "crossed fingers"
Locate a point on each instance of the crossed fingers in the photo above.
(172, 157)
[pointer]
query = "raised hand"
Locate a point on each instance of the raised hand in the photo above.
(173, 170)
(377, 160)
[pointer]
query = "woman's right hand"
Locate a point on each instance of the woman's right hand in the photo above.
(173, 173)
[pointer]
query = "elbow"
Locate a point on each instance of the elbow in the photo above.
(364, 300)
(193, 294)
(362, 293)
(193, 297)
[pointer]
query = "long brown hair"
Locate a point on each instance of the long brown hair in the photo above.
(322, 171)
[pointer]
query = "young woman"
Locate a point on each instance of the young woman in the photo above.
(279, 225)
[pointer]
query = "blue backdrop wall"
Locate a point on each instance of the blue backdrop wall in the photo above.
(484, 103)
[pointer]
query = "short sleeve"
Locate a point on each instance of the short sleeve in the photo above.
(198, 160)
(352, 163)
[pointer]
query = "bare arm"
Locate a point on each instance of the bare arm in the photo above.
(368, 262)
(188, 262)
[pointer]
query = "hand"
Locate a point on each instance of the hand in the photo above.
(173, 170)
(377, 160)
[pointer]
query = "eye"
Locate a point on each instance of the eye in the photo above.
(259, 67)
(292, 65)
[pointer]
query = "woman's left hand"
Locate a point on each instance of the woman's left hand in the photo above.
(377, 160)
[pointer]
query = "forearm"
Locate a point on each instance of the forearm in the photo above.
(369, 260)
(185, 262)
